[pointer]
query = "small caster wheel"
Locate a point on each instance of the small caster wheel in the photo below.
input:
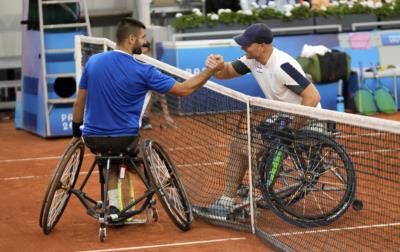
(357, 205)
(155, 214)
(102, 234)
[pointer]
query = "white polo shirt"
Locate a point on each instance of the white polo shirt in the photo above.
(281, 79)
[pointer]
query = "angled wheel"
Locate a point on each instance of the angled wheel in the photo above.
(165, 179)
(62, 181)
(310, 183)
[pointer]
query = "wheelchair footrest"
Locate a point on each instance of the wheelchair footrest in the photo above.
(130, 221)
(135, 221)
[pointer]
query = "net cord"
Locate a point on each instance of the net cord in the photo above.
(330, 115)
(322, 114)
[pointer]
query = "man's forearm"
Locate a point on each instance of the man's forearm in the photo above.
(197, 81)
(79, 106)
(77, 115)
(219, 74)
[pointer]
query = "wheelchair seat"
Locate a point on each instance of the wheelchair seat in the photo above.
(113, 146)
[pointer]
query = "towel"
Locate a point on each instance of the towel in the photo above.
(309, 50)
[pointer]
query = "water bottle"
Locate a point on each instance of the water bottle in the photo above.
(340, 104)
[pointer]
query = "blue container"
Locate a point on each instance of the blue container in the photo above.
(340, 104)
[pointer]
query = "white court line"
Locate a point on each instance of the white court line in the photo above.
(337, 229)
(357, 153)
(196, 147)
(201, 164)
(19, 178)
(34, 159)
(167, 245)
(365, 135)
(83, 173)
(34, 177)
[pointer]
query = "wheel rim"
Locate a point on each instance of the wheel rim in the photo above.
(165, 180)
(309, 186)
(63, 187)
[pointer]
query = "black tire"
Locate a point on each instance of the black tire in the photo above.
(69, 164)
(52, 180)
(165, 180)
(303, 191)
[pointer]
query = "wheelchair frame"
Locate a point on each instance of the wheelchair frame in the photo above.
(155, 162)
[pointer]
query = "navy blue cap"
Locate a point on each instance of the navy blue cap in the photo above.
(255, 33)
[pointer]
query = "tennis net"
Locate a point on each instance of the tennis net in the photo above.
(299, 178)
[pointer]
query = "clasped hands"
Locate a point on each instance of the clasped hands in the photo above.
(215, 62)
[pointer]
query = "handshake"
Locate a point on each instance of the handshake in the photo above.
(215, 62)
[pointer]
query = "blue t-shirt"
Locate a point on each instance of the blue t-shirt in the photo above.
(117, 86)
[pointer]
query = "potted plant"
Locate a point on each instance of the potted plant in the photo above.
(389, 11)
(224, 20)
(295, 16)
(345, 14)
(270, 16)
(194, 20)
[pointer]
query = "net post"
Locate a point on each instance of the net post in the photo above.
(78, 59)
(252, 216)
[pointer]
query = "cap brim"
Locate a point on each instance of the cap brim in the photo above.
(241, 40)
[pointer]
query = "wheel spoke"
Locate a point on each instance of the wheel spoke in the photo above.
(304, 200)
(56, 206)
(63, 180)
(297, 161)
(317, 158)
(327, 195)
(288, 188)
(314, 184)
(316, 201)
(294, 195)
(168, 186)
(285, 176)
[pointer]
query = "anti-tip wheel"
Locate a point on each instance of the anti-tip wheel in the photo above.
(155, 214)
(357, 205)
(102, 234)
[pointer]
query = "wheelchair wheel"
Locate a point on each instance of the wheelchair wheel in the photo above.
(62, 181)
(309, 183)
(165, 179)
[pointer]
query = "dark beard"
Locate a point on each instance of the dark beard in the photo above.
(137, 50)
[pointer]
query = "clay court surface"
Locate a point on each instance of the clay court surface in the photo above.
(26, 164)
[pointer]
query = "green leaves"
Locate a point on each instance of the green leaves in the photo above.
(295, 12)
(190, 21)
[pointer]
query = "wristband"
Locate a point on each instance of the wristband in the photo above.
(76, 131)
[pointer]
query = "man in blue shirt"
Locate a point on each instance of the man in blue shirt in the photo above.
(114, 90)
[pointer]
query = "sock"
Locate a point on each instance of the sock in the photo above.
(113, 197)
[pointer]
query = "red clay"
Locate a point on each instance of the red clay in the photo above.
(26, 164)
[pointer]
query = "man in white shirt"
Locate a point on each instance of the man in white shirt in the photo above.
(279, 76)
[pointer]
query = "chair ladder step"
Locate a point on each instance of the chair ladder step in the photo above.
(61, 26)
(62, 50)
(61, 101)
(59, 2)
(60, 75)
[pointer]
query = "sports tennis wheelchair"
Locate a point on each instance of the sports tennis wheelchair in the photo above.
(304, 175)
(155, 170)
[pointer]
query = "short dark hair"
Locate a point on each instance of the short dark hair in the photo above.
(128, 26)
